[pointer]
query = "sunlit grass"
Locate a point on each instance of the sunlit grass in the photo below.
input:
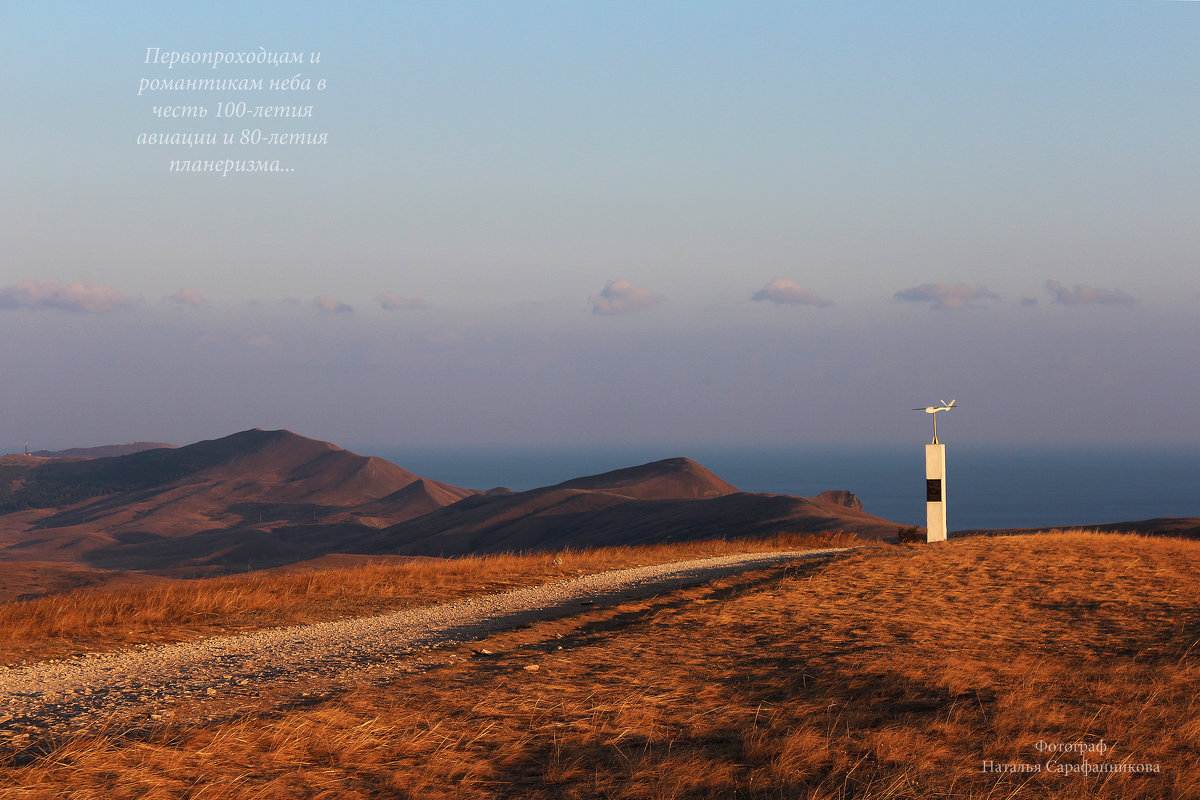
(883, 673)
(68, 623)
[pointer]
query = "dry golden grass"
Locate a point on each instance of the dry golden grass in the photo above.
(92, 620)
(885, 673)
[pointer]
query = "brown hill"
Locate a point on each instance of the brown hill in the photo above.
(556, 518)
(62, 509)
(103, 451)
(288, 468)
(260, 499)
(418, 498)
(672, 478)
(840, 497)
(671, 500)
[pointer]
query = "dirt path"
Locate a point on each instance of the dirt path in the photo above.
(88, 692)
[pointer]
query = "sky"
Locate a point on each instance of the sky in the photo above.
(600, 222)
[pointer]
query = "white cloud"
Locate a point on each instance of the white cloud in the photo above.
(1080, 295)
(76, 297)
(782, 290)
(188, 297)
(394, 302)
(946, 296)
(621, 297)
(327, 303)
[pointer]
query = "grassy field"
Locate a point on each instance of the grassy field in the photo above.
(941, 671)
(61, 624)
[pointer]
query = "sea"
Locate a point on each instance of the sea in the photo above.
(987, 486)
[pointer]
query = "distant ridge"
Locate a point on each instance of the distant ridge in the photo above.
(417, 499)
(245, 465)
(674, 499)
(253, 478)
(259, 499)
(103, 451)
(671, 478)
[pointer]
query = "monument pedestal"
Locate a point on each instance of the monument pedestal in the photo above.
(935, 492)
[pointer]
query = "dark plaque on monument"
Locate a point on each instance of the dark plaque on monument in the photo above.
(933, 490)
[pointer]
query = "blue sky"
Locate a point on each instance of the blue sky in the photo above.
(546, 222)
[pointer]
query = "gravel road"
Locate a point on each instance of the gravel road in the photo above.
(78, 693)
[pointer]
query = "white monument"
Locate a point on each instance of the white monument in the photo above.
(935, 479)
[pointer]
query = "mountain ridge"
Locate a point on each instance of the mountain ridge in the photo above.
(271, 497)
(102, 451)
(676, 477)
(252, 477)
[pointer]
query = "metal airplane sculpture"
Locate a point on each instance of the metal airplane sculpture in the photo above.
(934, 410)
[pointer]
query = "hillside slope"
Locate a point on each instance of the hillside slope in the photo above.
(673, 500)
(259, 499)
(103, 451)
(252, 478)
